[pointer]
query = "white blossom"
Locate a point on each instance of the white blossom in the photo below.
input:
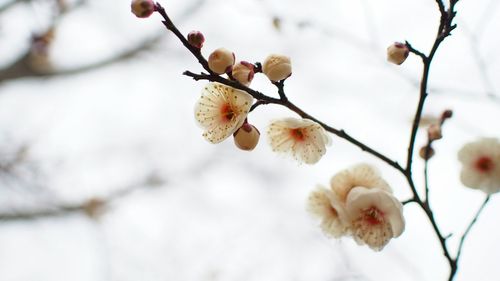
(304, 139)
(481, 165)
(324, 204)
(363, 175)
(221, 110)
(277, 67)
(375, 216)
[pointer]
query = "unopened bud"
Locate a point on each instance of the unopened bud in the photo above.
(426, 152)
(397, 53)
(434, 132)
(196, 39)
(243, 72)
(446, 114)
(143, 8)
(221, 61)
(277, 67)
(94, 207)
(246, 137)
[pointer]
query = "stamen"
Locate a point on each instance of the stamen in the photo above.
(226, 112)
(297, 134)
(373, 216)
(484, 164)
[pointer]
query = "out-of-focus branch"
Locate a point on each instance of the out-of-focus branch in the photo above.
(93, 207)
(11, 4)
(24, 68)
(6, 165)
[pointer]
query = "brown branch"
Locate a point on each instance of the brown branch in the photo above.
(469, 227)
(264, 99)
(11, 4)
(444, 30)
(23, 67)
(92, 207)
(445, 27)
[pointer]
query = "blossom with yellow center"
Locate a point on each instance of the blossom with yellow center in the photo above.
(221, 110)
(375, 216)
(481, 165)
(305, 139)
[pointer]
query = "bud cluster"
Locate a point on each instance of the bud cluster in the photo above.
(434, 132)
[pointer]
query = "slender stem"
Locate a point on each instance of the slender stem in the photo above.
(264, 99)
(426, 171)
(444, 30)
(471, 224)
(171, 26)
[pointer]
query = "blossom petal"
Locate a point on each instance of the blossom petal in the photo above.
(323, 204)
(359, 175)
(481, 165)
(390, 222)
(221, 110)
(305, 140)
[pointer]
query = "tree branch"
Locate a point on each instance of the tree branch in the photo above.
(471, 224)
(92, 207)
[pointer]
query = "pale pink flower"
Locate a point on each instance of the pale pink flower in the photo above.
(375, 216)
(304, 139)
(359, 175)
(359, 204)
(481, 165)
(397, 53)
(221, 110)
(277, 67)
(324, 204)
(221, 60)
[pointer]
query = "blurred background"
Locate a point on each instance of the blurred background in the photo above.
(104, 174)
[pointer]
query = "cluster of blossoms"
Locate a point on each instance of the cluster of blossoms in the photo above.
(359, 203)
(222, 110)
(481, 165)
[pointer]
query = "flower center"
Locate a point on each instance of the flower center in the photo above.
(226, 112)
(484, 164)
(373, 216)
(297, 134)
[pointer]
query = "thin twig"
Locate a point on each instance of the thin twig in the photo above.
(264, 99)
(445, 27)
(471, 224)
(444, 30)
(91, 207)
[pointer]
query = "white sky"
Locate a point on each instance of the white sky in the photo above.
(225, 214)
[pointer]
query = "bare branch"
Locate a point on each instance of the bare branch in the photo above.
(92, 207)
(23, 68)
(11, 4)
(471, 224)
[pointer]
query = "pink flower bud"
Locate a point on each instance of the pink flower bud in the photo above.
(446, 114)
(246, 137)
(143, 8)
(426, 152)
(277, 67)
(397, 53)
(196, 39)
(221, 60)
(243, 72)
(434, 132)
